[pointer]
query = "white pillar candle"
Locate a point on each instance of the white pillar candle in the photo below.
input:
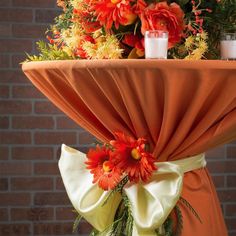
(228, 49)
(156, 44)
(156, 48)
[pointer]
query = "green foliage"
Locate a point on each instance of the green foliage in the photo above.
(179, 227)
(118, 189)
(48, 52)
(77, 222)
(123, 221)
(64, 20)
(188, 205)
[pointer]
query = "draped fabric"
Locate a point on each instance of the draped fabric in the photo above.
(182, 107)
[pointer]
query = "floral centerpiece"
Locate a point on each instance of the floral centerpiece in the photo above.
(112, 29)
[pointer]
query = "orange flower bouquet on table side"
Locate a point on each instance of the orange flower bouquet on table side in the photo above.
(117, 169)
(111, 29)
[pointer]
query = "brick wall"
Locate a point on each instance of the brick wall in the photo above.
(32, 198)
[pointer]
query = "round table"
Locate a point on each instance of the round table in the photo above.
(181, 107)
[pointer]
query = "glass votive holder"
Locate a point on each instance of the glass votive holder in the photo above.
(228, 46)
(156, 44)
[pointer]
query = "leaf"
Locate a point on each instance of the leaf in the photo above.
(168, 225)
(118, 189)
(179, 226)
(76, 223)
(187, 204)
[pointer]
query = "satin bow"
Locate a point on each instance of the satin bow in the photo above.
(151, 202)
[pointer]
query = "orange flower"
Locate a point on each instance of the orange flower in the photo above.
(104, 171)
(86, 20)
(131, 157)
(161, 16)
(136, 42)
(119, 12)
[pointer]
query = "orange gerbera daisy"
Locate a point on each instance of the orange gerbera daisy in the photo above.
(131, 157)
(119, 12)
(104, 171)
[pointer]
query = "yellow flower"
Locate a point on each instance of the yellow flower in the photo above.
(106, 47)
(78, 4)
(189, 42)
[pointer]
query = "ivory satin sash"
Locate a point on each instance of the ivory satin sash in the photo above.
(151, 202)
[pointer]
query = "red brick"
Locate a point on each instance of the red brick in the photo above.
(26, 92)
(15, 229)
(222, 166)
(84, 227)
(54, 229)
(4, 59)
(231, 210)
(32, 183)
(8, 137)
(46, 108)
(227, 195)
(55, 137)
(16, 76)
(32, 122)
(32, 214)
(4, 153)
(66, 123)
(15, 45)
(17, 59)
(45, 16)
(5, 30)
(32, 153)
(46, 168)
(231, 223)
(216, 153)
(232, 234)
(15, 107)
(16, 15)
(4, 122)
(15, 168)
(51, 198)
(86, 138)
(65, 213)
(3, 184)
(231, 152)
(231, 181)
(5, 3)
(35, 3)
(4, 91)
(3, 214)
(219, 181)
(59, 184)
(29, 31)
(14, 199)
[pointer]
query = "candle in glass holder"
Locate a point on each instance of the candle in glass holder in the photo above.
(228, 46)
(156, 44)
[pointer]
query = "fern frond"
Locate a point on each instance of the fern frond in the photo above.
(118, 189)
(168, 226)
(130, 219)
(179, 227)
(189, 206)
(76, 223)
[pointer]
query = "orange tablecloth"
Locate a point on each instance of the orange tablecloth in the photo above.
(182, 107)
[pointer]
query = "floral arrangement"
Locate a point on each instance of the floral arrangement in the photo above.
(122, 158)
(111, 29)
(128, 161)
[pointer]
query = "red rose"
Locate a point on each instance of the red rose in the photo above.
(161, 16)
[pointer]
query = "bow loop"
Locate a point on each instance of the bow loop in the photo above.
(152, 202)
